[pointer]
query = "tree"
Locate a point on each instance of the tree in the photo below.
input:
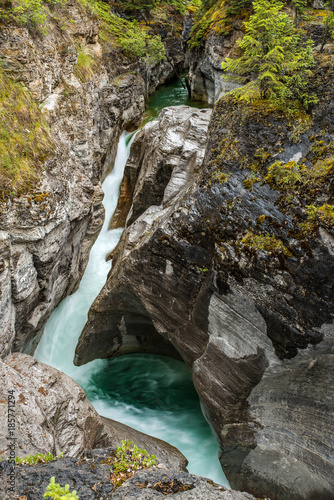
(329, 24)
(299, 7)
(275, 60)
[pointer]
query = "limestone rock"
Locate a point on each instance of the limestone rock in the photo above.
(170, 155)
(177, 141)
(52, 413)
(205, 79)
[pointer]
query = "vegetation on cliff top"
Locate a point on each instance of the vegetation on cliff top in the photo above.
(25, 142)
(275, 52)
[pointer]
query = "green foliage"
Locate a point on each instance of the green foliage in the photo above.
(35, 459)
(319, 215)
(220, 177)
(329, 28)
(284, 175)
(31, 12)
(299, 7)
(25, 142)
(217, 17)
(275, 58)
(85, 66)
(287, 176)
(130, 35)
(55, 491)
(129, 458)
(265, 242)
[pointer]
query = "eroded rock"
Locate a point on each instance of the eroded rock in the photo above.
(248, 322)
(47, 235)
(53, 415)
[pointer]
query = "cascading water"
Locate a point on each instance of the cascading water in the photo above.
(153, 394)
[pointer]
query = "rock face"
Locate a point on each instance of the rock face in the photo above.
(45, 238)
(89, 477)
(169, 152)
(53, 415)
(205, 80)
(254, 321)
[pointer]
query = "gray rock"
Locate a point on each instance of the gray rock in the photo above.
(90, 478)
(171, 153)
(205, 79)
(53, 415)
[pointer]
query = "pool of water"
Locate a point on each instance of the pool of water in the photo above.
(170, 94)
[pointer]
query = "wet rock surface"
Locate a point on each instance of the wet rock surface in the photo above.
(250, 323)
(89, 477)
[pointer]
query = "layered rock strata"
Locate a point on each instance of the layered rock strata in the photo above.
(46, 236)
(254, 322)
(166, 156)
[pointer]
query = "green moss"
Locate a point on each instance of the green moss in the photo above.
(319, 215)
(85, 66)
(249, 183)
(220, 177)
(25, 142)
(265, 242)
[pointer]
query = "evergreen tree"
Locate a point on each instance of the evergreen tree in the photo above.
(299, 7)
(329, 24)
(274, 57)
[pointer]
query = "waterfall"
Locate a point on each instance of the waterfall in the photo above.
(153, 394)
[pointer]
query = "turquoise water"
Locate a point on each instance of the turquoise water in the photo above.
(170, 94)
(153, 394)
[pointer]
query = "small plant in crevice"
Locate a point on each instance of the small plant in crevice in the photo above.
(57, 492)
(319, 215)
(128, 459)
(265, 242)
(37, 459)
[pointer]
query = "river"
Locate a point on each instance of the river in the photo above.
(151, 393)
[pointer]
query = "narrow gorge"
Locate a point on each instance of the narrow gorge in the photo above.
(213, 307)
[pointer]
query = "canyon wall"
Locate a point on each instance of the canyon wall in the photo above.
(46, 233)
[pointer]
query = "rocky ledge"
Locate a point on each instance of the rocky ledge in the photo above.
(89, 477)
(253, 319)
